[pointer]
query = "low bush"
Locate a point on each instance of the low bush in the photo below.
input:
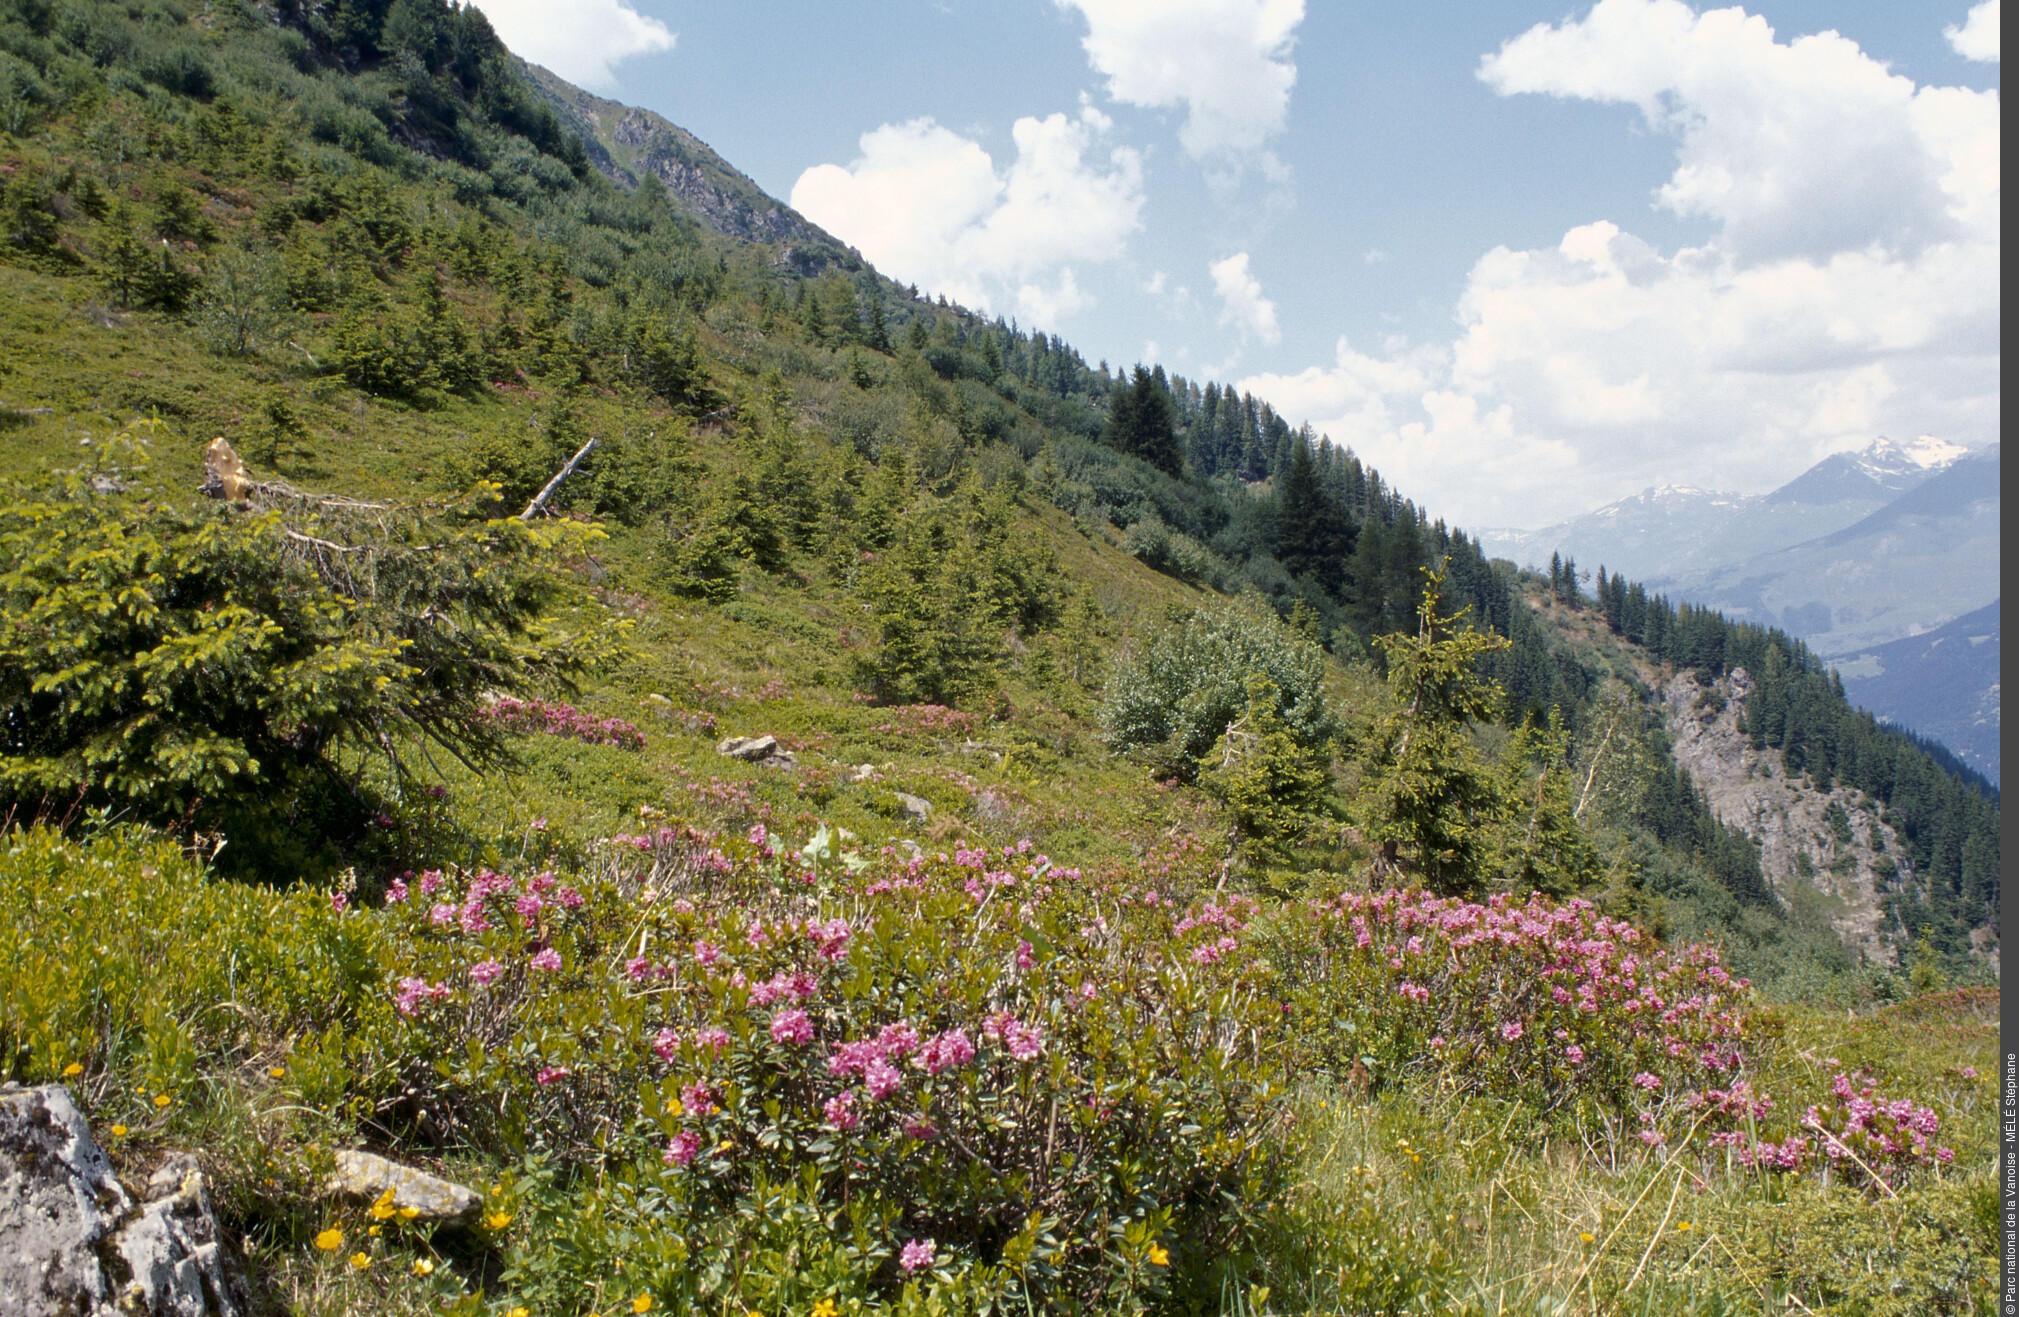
(953, 1072)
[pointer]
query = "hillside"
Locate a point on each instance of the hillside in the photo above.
(817, 800)
(1942, 684)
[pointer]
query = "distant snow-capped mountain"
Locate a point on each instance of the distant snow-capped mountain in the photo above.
(1882, 471)
(1667, 531)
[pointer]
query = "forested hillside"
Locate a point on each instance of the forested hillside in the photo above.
(1126, 644)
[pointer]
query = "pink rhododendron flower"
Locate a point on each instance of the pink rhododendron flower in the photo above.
(665, 1043)
(793, 1027)
(548, 1074)
(547, 959)
(711, 1039)
(681, 1150)
(917, 1256)
(1511, 1031)
(899, 1040)
(840, 1110)
(1025, 1041)
(485, 972)
(944, 1051)
(881, 1079)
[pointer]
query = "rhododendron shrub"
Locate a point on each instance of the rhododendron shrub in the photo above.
(1532, 1001)
(526, 716)
(1015, 1062)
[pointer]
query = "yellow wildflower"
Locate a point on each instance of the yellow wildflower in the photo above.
(497, 1220)
(643, 1303)
(423, 1267)
(824, 1308)
(330, 1240)
(162, 1099)
(72, 1070)
(277, 1072)
(119, 1131)
(1587, 1238)
(1159, 1256)
(409, 1213)
(361, 1260)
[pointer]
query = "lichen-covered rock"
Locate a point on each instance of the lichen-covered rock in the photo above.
(761, 750)
(59, 1205)
(174, 1250)
(366, 1175)
(73, 1241)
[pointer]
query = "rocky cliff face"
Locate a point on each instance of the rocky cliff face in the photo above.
(627, 144)
(1808, 851)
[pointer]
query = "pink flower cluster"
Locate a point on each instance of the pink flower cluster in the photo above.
(912, 719)
(414, 991)
(528, 716)
(793, 1027)
(1532, 993)
(1026, 1042)
(916, 1256)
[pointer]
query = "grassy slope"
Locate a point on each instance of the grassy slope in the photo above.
(1502, 1218)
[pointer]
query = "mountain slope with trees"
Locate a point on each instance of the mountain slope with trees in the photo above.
(1123, 647)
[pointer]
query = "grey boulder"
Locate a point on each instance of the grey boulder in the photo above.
(72, 1240)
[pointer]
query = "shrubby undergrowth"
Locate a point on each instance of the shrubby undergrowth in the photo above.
(741, 1072)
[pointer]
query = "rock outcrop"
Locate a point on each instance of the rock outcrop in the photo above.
(72, 1240)
(1847, 861)
(763, 751)
(431, 1198)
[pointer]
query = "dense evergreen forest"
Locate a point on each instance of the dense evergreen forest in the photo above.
(374, 194)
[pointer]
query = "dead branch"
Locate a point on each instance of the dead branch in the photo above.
(540, 499)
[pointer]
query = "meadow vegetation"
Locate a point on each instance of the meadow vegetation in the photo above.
(1306, 914)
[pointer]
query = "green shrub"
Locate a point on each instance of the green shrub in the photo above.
(1176, 694)
(207, 666)
(120, 956)
(790, 1077)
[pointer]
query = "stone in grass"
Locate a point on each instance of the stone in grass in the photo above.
(72, 1239)
(761, 750)
(916, 808)
(368, 1176)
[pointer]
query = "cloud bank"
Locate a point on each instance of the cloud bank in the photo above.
(1226, 62)
(578, 39)
(930, 207)
(1977, 39)
(1849, 286)
(1242, 305)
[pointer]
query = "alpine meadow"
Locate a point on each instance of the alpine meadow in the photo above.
(805, 799)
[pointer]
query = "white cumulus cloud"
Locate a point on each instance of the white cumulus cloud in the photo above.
(578, 39)
(1830, 304)
(1977, 39)
(1227, 62)
(929, 206)
(1241, 302)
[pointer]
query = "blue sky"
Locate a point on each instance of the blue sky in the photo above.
(1525, 259)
